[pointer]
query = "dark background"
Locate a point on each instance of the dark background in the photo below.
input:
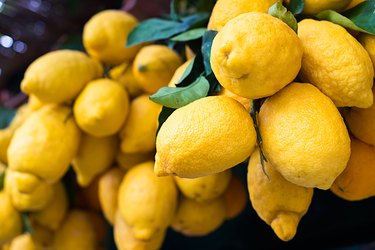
(37, 26)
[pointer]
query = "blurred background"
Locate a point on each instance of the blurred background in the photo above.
(30, 28)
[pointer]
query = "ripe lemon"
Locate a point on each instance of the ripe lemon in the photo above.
(127, 161)
(207, 136)
(59, 76)
(235, 197)
(357, 181)
(25, 242)
(256, 61)
(11, 218)
(105, 35)
(368, 42)
(246, 102)
(226, 10)
(154, 66)
(336, 63)
(101, 108)
(304, 136)
(268, 197)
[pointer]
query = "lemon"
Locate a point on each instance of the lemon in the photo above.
(24, 242)
(94, 156)
(27, 191)
(11, 218)
(204, 188)
(34, 103)
(357, 181)
(336, 63)
(368, 42)
(76, 232)
(226, 10)
(268, 197)
(127, 161)
(205, 137)
(59, 76)
(154, 66)
(138, 134)
(353, 3)
(235, 197)
(195, 218)
(257, 61)
(146, 202)
(361, 123)
(53, 214)
(246, 102)
(125, 240)
(108, 186)
(304, 136)
(312, 7)
(101, 108)
(105, 35)
(45, 144)
(123, 74)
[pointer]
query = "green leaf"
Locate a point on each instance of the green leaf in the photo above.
(187, 71)
(177, 97)
(154, 29)
(296, 6)
(208, 38)
(196, 20)
(163, 116)
(189, 35)
(193, 71)
(174, 9)
(215, 86)
(334, 17)
(363, 16)
(6, 116)
(26, 223)
(279, 11)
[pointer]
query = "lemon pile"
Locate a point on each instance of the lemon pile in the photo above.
(90, 112)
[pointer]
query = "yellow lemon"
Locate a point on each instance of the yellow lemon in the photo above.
(353, 3)
(76, 232)
(368, 42)
(34, 103)
(125, 239)
(123, 74)
(361, 123)
(27, 191)
(257, 61)
(312, 7)
(226, 10)
(204, 188)
(336, 63)
(195, 218)
(139, 132)
(357, 181)
(53, 214)
(24, 242)
(59, 76)
(246, 102)
(108, 186)
(154, 66)
(268, 191)
(45, 144)
(101, 108)
(127, 161)
(204, 137)
(94, 156)
(11, 218)
(146, 202)
(235, 197)
(105, 35)
(304, 136)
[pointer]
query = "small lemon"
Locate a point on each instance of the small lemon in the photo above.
(204, 188)
(94, 156)
(24, 242)
(257, 61)
(207, 136)
(146, 202)
(312, 7)
(246, 102)
(59, 76)
(45, 144)
(125, 240)
(27, 191)
(336, 63)
(11, 225)
(268, 191)
(199, 218)
(139, 132)
(357, 181)
(226, 10)
(235, 197)
(368, 42)
(304, 136)
(53, 214)
(108, 187)
(154, 66)
(127, 161)
(101, 108)
(123, 74)
(76, 232)
(105, 35)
